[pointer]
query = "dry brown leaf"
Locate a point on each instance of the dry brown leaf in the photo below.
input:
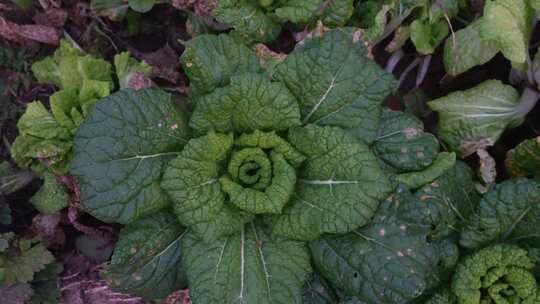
(22, 34)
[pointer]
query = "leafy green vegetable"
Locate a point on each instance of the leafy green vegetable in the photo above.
(476, 118)
(336, 84)
(510, 210)
(505, 27)
(261, 21)
(507, 23)
(426, 36)
(51, 197)
(391, 260)
(45, 137)
(496, 274)
(146, 260)
(467, 49)
(524, 160)
(270, 165)
(120, 151)
(249, 266)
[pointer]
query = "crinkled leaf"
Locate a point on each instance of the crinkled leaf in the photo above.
(441, 164)
(339, 186)
(391, 260)
(191, 182)
(250, 21)
(210, 60)
(427, 36)
(297, 11)
(497, 274)
(250, 102)
(507, 24)
(247, 267)
(51, 197)
(121, 150)
(466, 49)
(69, 67)
(127, 67)
(510, 210)
(447, 201)
(147, 258)
(524, 160)
(337, 13)
(40, 154)
(22, 260)
(336, 84)
(478, 116)
(38, 122)
(402, 144)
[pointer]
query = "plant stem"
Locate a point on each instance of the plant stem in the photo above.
(527, 101)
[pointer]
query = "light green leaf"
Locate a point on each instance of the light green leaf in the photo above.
(402, 144)
(126, 67)
(247, 267)
(524, 160)
(248, 103)
(191, 182)
(441, 164)
(391, 260)
(211, 60)
(147, 258)
(52, 196)
(499, 273)
(69, 67)
(41, 155)
(507, 23)
(477, 117)
(427, 36)
(338, 189)
(38, 122)
(141, 6)
(510, 210)
(121, 150)
(466, 49)
(115, 10)
(336, 84)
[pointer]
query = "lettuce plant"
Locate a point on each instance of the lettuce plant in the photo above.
(224, 197)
